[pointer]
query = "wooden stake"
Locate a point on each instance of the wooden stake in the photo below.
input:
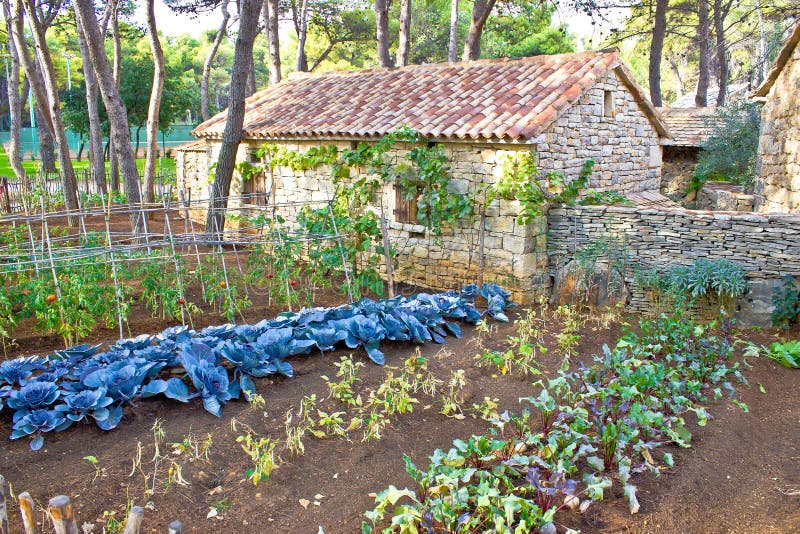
(62, 515)
(3, 509)
(387, 253)
(134, 522)
(26, 511)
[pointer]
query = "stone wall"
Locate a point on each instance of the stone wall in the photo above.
(724, 196)
(778, 182)
(767, 246)
(514, 254)
(677, 168)
(624, 146)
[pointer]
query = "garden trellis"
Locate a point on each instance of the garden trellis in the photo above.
(38, 247)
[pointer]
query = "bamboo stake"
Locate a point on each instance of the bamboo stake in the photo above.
(168, 229)
(134, 522)
(26, 511)
(30, 235)
(110, 249)
(62, 515)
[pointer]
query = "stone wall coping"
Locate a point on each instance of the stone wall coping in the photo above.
(736, 216)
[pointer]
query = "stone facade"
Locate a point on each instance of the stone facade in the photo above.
(677, 168)
(623, 143)
(778, 181)
(768, 246)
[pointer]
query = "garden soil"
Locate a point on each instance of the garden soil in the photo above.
(742, 474)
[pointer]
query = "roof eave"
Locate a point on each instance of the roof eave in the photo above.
(780, 62)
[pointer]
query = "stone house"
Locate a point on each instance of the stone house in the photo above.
(778, 182)
(689, 129)
(567, 108)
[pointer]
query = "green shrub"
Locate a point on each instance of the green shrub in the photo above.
(730, 152)
(787, 303)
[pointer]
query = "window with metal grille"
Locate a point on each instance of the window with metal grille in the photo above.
(405, 209)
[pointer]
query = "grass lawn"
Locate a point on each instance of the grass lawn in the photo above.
(32, 167)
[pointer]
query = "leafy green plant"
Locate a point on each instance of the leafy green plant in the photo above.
(786, 302)
(261, 452)
(787, 353)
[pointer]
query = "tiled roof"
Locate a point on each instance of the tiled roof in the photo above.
(191, 146)
(503, 99)
(688, 126)
(783, 58)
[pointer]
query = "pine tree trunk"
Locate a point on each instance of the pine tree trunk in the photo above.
(112, 152)
(69, 184)
(117, 115)
(96, 160)
(47, 143)
(273, 37)
(14, 104)
(656, 50)
(302, 60)
(481, 10)
(382, 26)
(249, 11)
(722, 49)
(452, 49)
(703, 36)
(155, 104)
(403, 41)
(223, 27)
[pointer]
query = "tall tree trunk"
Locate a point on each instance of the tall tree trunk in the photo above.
(113, 160)
(656, 49)
(273, 38)
(720, 12)
(382, 26)
(481, 10)
(249, 11)
(68, 182)
(155, 104)
(403, 42)
(302, 60)
(251, 78)
(676, 73)
(14, 104)
(703, 71)
(223, 28)
(117, 115)
(452, 48)
(47, 142)
(96, 160)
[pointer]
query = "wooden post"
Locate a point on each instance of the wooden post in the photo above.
(134, 522)
(62, 515)
(3, 509)
(26, 511)
(176, 527)
(387, 253)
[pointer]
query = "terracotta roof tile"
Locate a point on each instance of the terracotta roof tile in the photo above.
(688, 126)
(504, 99)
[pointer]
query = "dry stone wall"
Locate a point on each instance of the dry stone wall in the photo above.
(767, 246)
(778, 182)
(677, 168)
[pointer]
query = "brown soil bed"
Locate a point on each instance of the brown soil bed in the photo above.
(742, 474)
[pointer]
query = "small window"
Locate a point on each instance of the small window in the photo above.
(608, 104)
(254, 190)
(405, 209)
